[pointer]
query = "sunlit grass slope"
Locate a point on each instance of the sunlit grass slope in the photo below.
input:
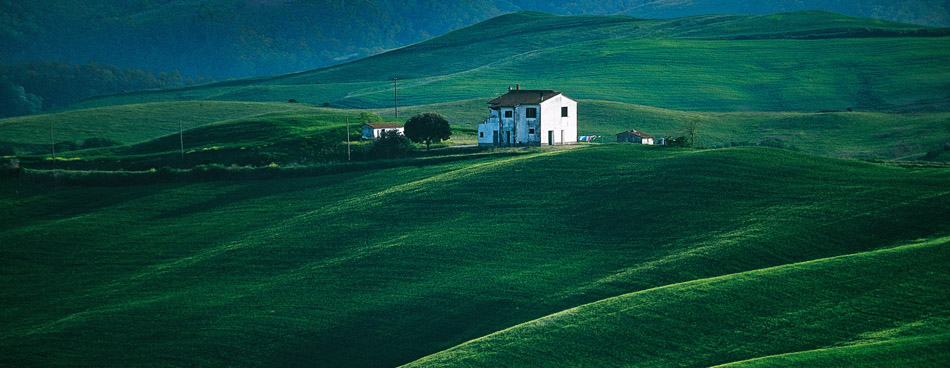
(128, 123)
(382, 268)
(804, 61)
(296, 135)
(927, 351)
(818, 313)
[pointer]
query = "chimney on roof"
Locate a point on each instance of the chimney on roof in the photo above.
(518, 86)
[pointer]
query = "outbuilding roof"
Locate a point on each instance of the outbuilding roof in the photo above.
(636, 133)
(523, 97)
(383, 125)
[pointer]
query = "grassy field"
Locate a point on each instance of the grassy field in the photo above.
(296, 132)
(128, 123)
(791, 253)
(851, 319)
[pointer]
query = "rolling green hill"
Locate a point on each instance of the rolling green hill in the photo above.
(232, 39)
(682, 257)
(819, 61)
(851, 319)
(130, 123)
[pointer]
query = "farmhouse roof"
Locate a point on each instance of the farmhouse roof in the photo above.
(384, 125)
(523, 97)
(636, 133)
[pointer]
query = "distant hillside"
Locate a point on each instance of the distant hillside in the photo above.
(811, 61)
(222, 38)
(924, 12)
(31, 87)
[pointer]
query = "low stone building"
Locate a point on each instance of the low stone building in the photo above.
(634, 136)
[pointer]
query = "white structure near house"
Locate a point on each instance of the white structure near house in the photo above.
(634, 136)
(529, 117)
(375, 130)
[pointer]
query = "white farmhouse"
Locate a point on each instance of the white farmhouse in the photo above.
(375, 130)
(529, 117)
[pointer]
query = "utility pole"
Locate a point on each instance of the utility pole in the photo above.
(347, 139)
(395, 100)
(52, 145)
(181, 139)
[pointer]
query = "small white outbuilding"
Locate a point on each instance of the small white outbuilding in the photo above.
(373, 131)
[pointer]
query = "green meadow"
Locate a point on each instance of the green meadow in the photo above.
(259, 243)
(625, 254)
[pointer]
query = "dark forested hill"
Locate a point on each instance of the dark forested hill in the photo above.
(222, 38)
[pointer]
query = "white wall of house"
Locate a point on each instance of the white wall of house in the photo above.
(563, 129)
(370, 133)
(513, 126)
(528, 129)
(485, 131)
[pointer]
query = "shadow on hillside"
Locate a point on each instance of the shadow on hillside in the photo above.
(256, 191)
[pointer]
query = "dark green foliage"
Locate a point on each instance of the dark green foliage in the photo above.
(7, 149)
(15, 101)
(66, 146)
(367, 117)
(680, 141)
(941, 154)
(27, 88)
(9, 167)
(96, 142)
(390, 144)
(427, 128)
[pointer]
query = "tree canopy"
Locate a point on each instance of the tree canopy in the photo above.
(427, 128)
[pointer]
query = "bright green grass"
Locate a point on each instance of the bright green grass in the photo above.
(381, 268)
(128, 123)
(839, 304)
(928, 351)
(673, 64)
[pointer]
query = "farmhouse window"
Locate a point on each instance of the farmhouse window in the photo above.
(508, 114)
(531, 113)
(564, 111)
(481, 134)
(531, 131)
